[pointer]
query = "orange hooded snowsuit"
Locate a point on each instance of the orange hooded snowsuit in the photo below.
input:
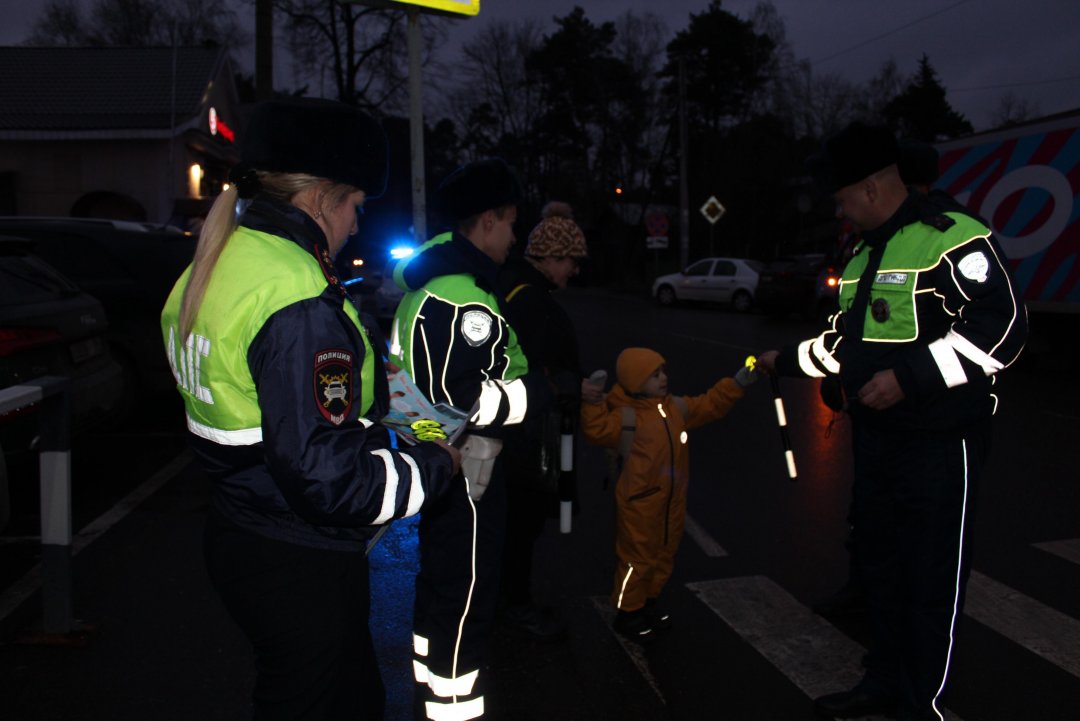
(650, 495)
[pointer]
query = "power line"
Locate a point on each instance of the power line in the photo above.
(1029, 83)
(894, 31)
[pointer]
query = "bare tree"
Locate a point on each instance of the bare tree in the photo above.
(1013, 110)
(139, 23)
(639, 43)
(60, 23)
(362, 50)
(781, 67)
(492, 73)
(879, 91)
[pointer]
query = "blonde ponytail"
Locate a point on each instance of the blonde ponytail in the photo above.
(220, 224)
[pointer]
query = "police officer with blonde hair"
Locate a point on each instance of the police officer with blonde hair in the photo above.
(283, 392)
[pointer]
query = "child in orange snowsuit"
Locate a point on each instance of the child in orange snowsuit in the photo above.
(650, 494)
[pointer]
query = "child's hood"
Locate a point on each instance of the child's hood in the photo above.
(618, 397)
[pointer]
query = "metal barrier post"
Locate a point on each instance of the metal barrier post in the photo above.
(55, 467)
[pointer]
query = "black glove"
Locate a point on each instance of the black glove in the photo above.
(746, 377)
(832, 393)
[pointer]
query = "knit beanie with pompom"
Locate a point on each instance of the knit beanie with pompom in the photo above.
(556, 235)
(635, 365)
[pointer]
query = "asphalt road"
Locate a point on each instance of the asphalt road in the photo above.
(745, 641)
(761, 551)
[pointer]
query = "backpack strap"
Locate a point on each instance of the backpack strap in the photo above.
(515, 291)
(681, 406)
(629, 425)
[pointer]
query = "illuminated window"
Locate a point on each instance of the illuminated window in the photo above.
(195, 176)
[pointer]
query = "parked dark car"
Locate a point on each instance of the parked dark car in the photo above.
(48, 327)
(807, 285)
(130, 268)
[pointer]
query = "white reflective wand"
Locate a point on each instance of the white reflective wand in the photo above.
(781, 418)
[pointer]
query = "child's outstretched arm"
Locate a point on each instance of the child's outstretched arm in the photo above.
(718, 400)
(601, 425)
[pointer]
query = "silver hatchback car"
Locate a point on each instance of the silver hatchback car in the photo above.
(720, 280)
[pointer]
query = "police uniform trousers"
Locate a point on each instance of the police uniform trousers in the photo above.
(305, 611)
(457, 591)
(914, 504)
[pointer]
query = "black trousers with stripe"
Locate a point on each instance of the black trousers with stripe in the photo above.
(914, 503)
(457, 586)
(305, 611)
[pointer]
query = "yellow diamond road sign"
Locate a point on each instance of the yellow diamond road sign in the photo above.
(713, 210)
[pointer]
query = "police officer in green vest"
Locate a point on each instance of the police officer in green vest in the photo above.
(928, 315)
(450, 332)
(283, 393)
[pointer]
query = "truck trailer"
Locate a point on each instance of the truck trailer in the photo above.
(1025, 181)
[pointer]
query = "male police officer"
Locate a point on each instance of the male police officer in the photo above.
(451, 334)
(927, 315)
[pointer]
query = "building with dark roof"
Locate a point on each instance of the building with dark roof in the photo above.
(115, 131)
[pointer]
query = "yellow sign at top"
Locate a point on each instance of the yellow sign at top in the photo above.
(454, 7)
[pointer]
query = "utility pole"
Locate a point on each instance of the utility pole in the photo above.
(264, 49)
(416, 130)
(684, 193)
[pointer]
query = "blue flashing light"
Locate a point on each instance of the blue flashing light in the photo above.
(401, 251)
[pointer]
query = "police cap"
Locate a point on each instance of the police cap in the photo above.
(918, 163)
(478, 186)
(851, 154)
(318, 137)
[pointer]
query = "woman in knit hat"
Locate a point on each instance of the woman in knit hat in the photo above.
(553, 254)
(648, 425)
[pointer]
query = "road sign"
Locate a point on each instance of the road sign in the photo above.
(450, 7)
(713, 210)
(656, 242)
(656, 223)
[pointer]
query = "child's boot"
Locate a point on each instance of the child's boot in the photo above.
(634, 625)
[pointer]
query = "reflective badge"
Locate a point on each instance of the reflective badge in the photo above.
(975, 266)
(891, 278)
(428, 430)
(333, 384)
(880, 310)
(476, 327)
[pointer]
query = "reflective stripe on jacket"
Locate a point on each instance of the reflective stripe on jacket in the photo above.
(929, 296)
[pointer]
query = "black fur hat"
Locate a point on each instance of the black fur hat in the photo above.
(476, 187)
(918, 163)
(319, 137)
(855, 152)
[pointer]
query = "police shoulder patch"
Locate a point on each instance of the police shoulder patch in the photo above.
(975, 266)
(939, 221)
(476, 327)
(333, 389)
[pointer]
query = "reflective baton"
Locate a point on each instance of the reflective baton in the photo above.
(781, 418)
(566, 473)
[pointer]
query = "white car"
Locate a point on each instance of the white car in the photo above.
(720, 280)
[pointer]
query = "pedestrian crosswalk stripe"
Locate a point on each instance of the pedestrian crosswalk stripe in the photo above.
(810, 651)
(1040, 629)
(707, 543)
(1069, 550)
(633, 650)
